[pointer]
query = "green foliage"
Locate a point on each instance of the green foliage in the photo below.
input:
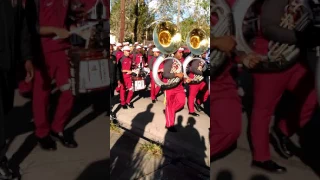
(164, 10)
(130, 17)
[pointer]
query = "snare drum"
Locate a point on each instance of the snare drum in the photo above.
(89, 70)
(138, 83)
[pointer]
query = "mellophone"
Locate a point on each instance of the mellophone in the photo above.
(89, 70)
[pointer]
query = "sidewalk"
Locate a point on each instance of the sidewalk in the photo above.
(148, 120)
(236, 166)
(129, 162)
(90, 159)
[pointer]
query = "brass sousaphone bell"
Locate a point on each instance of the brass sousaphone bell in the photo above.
(167, 39)
(197, 42)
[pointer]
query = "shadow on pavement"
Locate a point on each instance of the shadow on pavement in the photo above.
(186, 134)
(96, 171)
(227, 175)
(19, 122)
(128, 164)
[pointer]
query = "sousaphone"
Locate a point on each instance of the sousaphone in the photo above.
(167, 39)
(224, 27)
(280, 56)
(197, 42)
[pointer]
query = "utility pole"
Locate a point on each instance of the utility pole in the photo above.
(122, 20)
(178, 16)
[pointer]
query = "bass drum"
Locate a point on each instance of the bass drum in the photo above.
(89, 69)
(221, 18)
(138, 83)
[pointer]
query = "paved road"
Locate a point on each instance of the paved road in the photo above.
(236, 166)
(148, 120)
(89, 161)
(129, 162)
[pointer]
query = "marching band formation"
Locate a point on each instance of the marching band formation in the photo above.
(169, 66)
(271, 39)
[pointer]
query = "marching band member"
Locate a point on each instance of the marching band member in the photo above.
(175, 97)
(194, 89)
(136, 57)
(115, 76)
(118, 52)
(269, 87)
(53, 65)
(149, 52)
(154, 90)
(225, 103)
(126, 63)
(15, 34)
(134, 47)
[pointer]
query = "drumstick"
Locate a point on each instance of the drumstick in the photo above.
(78, 30)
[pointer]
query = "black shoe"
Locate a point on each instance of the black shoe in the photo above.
(47, 143)
(124, 107)
(281, 142)
(270, 166)
(197, 106)
(171, 129)
(153, 101)
(5, 172)
(194, 114)
(66, 139)
(130, 106)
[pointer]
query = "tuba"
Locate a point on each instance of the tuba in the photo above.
(167, 39)
(222, 28)
(279, 56)
(197, 42)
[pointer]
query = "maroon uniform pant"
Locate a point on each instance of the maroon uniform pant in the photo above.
(268, 89)
(154, 90)
(194, 89)
(225, 114)
(175, 100)
(56, 67)
(126, 86)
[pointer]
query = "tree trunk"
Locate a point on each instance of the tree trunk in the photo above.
(122, 21)
(178, 16)
(135, 29)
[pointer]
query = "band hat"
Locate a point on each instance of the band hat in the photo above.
(136, 43)
(126, 48)
(150, 45)
(138, 47)
(126, 43)
(180, 50)
(119, 44)
(155, 50)
(145, 46)
(186, 50)
(113, 43)
(130, 45)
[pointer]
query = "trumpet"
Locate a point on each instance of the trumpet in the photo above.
(167, 39)
(197, 42)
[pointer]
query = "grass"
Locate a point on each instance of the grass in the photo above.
(151, 148)
(114, 127)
